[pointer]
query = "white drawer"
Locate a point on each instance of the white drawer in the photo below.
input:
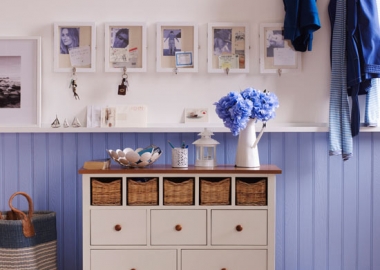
(225, 227)
(224, 259)
(133, 259)
(178, 227)
(118, 227)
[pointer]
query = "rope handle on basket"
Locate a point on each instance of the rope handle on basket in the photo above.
(27, 225)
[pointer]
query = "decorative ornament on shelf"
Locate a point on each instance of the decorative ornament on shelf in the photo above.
(55, 123)
(239, 112)
(205, 149)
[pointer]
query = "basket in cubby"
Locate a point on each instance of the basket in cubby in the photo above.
(142, 193)
(251, 193)
(179, 193)
(215, 192)
(106, 192)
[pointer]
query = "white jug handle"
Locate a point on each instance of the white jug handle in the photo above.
(259, 136)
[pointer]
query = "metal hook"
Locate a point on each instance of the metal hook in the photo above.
(74, 70)
(279, 71)
(227, 70)
(125, 75)
(176, 70)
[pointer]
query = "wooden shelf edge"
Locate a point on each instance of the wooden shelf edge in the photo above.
(167, 169)
(183, 128)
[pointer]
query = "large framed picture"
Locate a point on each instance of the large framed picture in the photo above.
(20, 81)
(228, 48)
(277, 55)
(125, 47)
(74, 46)
(177, 47)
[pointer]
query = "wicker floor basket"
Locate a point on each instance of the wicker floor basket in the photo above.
(215, 193)
(104, 193)
(143, 193)
(179, 193)
(251, 193)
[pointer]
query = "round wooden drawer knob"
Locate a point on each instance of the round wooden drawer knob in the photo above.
(224, 269)
(117, 227)
(239, 228)
(133, 269)
(178, 227)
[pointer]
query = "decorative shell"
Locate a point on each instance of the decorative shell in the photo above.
(140, 157)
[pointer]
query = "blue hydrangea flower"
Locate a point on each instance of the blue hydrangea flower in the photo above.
(235, 109)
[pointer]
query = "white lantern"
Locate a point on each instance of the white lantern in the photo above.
(205, 152)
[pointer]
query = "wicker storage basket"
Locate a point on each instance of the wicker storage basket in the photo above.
(251, 193)
(179, 193)
(143, 193)
(104, 193)
(215, 193)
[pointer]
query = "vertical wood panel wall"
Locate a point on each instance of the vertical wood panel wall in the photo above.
(328, 211)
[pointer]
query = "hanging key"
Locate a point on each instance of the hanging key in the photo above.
(73, 83)
(122, 88)
(73, 86)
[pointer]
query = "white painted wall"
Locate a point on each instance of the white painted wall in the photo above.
(304, 97)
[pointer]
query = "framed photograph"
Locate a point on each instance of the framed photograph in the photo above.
(176, 44)
(183, 59)
(74, 46)
(20, 81)
(228, 48)
(196, 115)
(277, 54)
(125, 47)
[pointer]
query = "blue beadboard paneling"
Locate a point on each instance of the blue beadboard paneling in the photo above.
(320, 207)
(375, 203)
(291, 200)
(306, 201)
(328, 211)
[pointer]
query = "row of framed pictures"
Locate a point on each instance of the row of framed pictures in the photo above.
(176, 49)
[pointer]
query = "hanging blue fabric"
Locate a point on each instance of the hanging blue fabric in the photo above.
(301, 20)
(339, 118)
(363, 53)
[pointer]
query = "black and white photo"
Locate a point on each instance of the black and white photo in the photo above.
(69, 39)
(172, 42)
(10, 81)
(222, 41)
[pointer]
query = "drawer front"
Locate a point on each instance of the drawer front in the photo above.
(178, 227)
(133, 259)
(239, 227)
(224, 259)
(118, 227)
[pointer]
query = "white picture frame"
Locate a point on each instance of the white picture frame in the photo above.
(175, 37)
(20, 71)
(80, 50)
(196, 115)
(133, 57)
(277, 54)
(226, 42)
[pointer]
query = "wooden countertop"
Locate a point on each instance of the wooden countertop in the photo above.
(117, 169)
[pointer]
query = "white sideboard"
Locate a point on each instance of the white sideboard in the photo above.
(205, 231)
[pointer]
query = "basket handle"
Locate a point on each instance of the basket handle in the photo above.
(27, 225)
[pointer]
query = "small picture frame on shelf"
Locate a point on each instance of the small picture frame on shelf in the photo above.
(177, 47)
(125, 46)
(228, 48)
(20, 81)
(193, 115)
(74, 46)
(277, 54)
